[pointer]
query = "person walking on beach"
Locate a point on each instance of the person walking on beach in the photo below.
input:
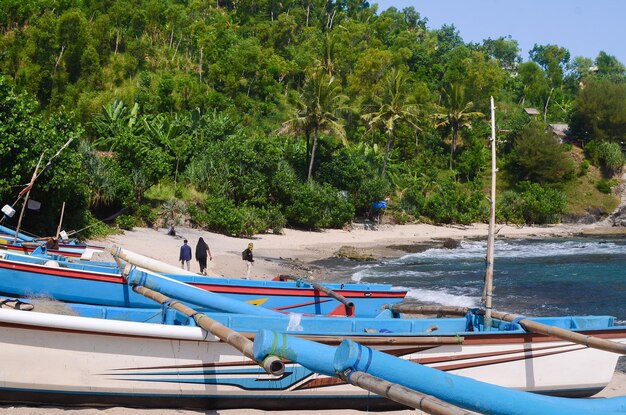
(185, 255)
(247, 257)
(202, 249)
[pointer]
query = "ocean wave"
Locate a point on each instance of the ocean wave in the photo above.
(441, 297)
(472, 250)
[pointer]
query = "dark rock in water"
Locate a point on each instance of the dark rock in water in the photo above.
(451, 243)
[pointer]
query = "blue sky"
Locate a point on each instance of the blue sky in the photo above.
(584, 27)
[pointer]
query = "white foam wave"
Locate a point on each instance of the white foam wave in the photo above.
(518, 249)
(441, 297)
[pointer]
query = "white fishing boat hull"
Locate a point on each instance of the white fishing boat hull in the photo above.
(55, 359)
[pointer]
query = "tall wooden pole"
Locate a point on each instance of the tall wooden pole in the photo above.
(487, 295)
(60, 221)
(27, 190)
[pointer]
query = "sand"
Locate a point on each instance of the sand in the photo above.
(292, 253)
(294, 250)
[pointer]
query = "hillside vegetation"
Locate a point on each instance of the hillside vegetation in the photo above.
(247, 117)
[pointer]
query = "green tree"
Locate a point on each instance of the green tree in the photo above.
(600, 111)
(553, 59)
(316, 111)
(393, 107)
(609, 66)
(455, 115)
(539, 158)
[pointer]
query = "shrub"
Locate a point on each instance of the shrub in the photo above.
(126, 222)
(584, 168)
(611, 157)
(413, 202)
(605, 186)
(146, 215)
(534, 204)
(455, 203)
(511, 208)
(316, 207)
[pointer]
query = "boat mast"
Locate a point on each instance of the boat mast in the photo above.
(487, 294)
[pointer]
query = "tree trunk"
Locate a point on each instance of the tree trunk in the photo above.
(545, 109)
(455, 134)
(315, 137)
(308, 147)
(56, 64)
(387, 148)
(200, 63)
(308, 12)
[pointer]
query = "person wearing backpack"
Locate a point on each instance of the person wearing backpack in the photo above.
(248, 258)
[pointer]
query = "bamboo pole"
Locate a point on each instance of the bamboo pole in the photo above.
(578, 338)
(440, 310)
(528, 325)
(271, 364)
(60, 221)
(375, 340)
(401, 394)
(343, 300)
(27, 190)
(378, 340)
(488, 292)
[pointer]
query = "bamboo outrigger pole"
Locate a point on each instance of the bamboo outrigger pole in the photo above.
(487, 294)
(343, 300)
(528, 325)
(271, 364)
(401, 394)
(578, 338)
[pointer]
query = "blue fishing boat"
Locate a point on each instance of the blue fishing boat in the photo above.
(12, 240)
(351, 359)
(101, 283)
(159, 357)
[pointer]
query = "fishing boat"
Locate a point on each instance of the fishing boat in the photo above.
(162, 359)
(414, 384)
(101, 283)
(12, 240)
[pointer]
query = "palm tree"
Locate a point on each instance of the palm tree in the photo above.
(316, 109)
(395, 106)
(457, 114)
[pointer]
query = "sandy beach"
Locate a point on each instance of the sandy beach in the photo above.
(294, 253)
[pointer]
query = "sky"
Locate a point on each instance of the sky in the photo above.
(584, 27)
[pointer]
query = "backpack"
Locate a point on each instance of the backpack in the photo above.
(244, 255)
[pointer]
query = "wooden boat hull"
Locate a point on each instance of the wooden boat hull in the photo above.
(66, 360)
(91, 284)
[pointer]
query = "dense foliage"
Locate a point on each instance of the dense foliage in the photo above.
(246, 117)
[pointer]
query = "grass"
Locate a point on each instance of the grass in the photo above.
(164, 191)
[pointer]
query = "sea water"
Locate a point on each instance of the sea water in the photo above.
(532, 277)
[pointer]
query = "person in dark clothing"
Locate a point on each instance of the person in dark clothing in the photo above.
(202, 249)
(248, 258)
(185, 255)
